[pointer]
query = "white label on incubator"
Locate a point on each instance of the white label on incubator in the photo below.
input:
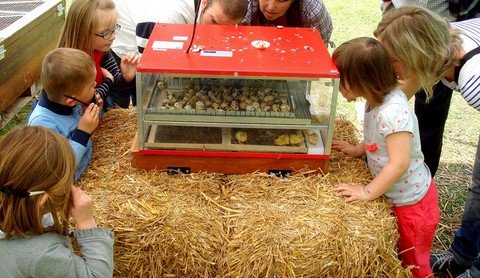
(216, 53)
(164, 45)
(180, 38)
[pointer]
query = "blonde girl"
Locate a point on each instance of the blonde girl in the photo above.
(91, 26)
(392, 146)
(36, 177)
(419, 43)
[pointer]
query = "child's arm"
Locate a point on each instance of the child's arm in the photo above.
(113, 76)
(349, 149)
(398, 147)
(57, 258)
(97, 254)
(103, 89)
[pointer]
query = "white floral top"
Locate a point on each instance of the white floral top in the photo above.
(395, 115)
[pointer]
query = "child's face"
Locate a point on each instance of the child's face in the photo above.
(87, 92)
(348, 94)
(107, 21)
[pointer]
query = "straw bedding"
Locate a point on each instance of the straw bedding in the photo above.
(213, 225)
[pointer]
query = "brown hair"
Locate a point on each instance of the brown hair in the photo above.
(80, 24)
(294, 16)
(34, 158)
(365, 66)
(65, 71)
(234, 9)
(420, 39)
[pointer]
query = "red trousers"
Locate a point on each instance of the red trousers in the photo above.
(416, 226)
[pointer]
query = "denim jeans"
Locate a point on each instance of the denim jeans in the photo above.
(466, 245)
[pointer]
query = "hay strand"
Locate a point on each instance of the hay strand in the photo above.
(213, 225)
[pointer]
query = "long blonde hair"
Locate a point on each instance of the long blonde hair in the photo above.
(421, 40)
(80, 24)
(34, 158)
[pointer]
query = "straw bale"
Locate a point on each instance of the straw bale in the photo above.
(296, 227)
(213, 225)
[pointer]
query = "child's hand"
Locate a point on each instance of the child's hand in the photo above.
(128, 65)
(345, 147)
(99, 101)
(90, 118)
(82, 209)
(107, 74)
(352, 191)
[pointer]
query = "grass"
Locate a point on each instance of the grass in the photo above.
(359, 18)
(18, 119)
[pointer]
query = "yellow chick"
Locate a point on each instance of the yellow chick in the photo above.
(241, 137)
(296, 139)
(282, 140)
(313, 138)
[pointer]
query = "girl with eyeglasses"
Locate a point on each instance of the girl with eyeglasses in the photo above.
(91, 26)
(38, 181)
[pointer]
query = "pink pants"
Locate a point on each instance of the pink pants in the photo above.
(416, 225)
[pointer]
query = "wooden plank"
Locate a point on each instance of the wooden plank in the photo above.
(228, 147)
(225, 117)
(25, 51)
(22, 79)
(159, 138)
(226, 136)
(26, 43)
(226, 165)
(151, 135)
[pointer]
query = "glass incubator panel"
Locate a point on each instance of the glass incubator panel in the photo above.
(226, 114)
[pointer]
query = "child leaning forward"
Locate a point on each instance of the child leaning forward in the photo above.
(69, 104)
(392, 146)
(36, 178)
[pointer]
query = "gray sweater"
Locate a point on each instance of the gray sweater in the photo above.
(51, 255)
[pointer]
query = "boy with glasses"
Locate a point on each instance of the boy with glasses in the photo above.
(69, 104)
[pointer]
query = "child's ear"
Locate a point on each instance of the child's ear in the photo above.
(44, 198)
(69, 102)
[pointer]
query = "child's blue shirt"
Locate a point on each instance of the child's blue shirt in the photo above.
(64, 120)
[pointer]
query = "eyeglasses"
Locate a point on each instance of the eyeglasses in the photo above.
(94, 100)
(107, 35)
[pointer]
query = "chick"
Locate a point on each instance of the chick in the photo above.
(241, 137)
(313, 138)
(296, 139)
(282, 140)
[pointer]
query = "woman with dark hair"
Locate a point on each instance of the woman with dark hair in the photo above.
(290, 13)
